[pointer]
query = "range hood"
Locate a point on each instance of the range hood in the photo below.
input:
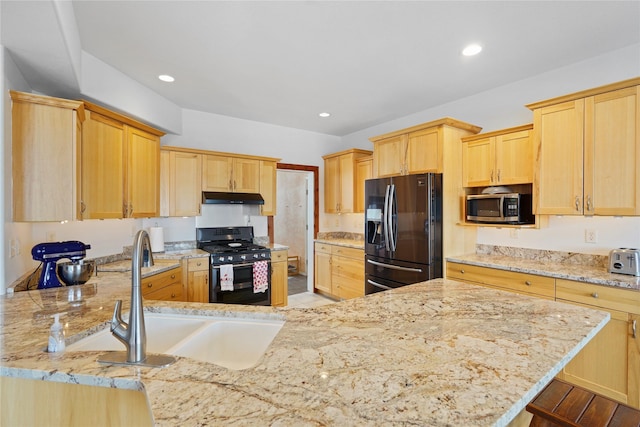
(222, 198)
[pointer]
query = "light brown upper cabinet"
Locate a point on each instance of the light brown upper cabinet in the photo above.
(419, 149)
(180, 183)
(230, 174)
(364, 171)
(340, 180)
(588, 152)
(46, 143)
(268, 186)
(502, 157)
(120, 166)
(187, 172)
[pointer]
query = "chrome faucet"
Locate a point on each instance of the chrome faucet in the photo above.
(133, 334)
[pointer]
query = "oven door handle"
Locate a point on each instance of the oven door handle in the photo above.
(246, 264)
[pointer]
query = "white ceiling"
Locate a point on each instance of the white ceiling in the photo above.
(364, 62)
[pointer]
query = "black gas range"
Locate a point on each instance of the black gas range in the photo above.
(240, 270)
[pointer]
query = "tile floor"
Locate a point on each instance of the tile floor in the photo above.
(308, 300)
(296, 284)
(299, 297)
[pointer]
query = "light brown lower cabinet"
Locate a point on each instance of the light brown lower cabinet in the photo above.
(339, 271)
(165, 286)
(610, 363)
(45, 403)
(522, 283)
(197, 279)
(279, 278)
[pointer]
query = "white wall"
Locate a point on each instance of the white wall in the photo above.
(503, 107)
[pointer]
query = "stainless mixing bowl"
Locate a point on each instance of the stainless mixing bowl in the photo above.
(76, 273)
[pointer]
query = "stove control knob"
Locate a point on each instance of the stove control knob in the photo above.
(229, 258)
(255, 255)
(221, 258)
(243, 257)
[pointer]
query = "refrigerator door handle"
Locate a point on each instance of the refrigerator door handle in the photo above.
(392, 226)
(394, 267)
(378, 285)
(387, 235)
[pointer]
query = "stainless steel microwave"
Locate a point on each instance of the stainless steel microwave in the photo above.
(501, 208)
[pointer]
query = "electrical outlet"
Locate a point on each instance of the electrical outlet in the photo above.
(513, 233)
(12, 249)
(591, 235)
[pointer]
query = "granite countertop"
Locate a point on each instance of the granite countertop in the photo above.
(594, 273)
(434, 353)
(349, 243)
(159, 266)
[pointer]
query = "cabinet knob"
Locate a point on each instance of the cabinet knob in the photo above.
(462, 271)
(173, 276)
(149, 285)
(491, 178)
(173, 295)
(633, 328)
(577, 203)
(595, 295)
(199, 264)
(528, 283)
(589, 207)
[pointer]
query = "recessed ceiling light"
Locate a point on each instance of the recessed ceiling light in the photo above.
(472, 49)
(324, 114)
(166, 78)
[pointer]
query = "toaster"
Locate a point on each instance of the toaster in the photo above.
(625, 261)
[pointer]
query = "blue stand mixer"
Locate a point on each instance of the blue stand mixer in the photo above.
(50, 253)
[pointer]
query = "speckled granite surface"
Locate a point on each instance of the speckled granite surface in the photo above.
(436, 353)
(560, 265)
(341, 238)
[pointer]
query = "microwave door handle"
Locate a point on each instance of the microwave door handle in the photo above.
(502, 202)
(386, 218)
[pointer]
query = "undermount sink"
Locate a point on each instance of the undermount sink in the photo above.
(234, 343)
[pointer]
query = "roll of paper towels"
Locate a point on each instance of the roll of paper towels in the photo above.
(156, 235)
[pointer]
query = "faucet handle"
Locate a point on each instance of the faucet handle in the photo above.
(116, 320)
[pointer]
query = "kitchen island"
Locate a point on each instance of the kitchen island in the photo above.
(434, 353)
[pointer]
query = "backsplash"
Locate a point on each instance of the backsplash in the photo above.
(340, 235)
(545, 255)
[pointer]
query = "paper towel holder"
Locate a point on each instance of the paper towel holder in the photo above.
(156, 236)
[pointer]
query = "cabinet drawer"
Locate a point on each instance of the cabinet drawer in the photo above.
(517, 282)
(158, 281)
(171, 292)
(349, 288)
(278, 256)
(599, 296)
(323, 248)
(343, 251)
(349, 268)
(198, 264)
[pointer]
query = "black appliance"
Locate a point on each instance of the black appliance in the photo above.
(500, 208)
(234, 246)
(403, 231)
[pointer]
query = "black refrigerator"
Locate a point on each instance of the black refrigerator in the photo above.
(403, 231)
